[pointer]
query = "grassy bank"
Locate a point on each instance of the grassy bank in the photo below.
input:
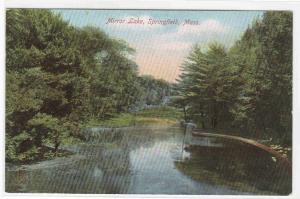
(154, 116)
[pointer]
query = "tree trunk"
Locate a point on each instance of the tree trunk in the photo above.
(184, 112)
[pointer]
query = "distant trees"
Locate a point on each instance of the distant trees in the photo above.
(249, 87)
(59, 76)
(154, 91)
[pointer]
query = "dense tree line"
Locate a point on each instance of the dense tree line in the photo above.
(59, 76)
(155, 91)
(247, 88)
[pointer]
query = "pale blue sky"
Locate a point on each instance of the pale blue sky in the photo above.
(160, 50)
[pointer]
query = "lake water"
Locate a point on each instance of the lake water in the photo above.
(151, 160)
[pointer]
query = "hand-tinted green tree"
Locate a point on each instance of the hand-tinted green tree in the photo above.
(206, 85)
(58, 77)
(264, 54)
(249, 87)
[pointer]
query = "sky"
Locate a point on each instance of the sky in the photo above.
(161, 49)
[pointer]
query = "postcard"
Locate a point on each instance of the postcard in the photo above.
(149, 101)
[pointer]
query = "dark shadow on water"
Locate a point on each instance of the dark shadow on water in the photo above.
(237, 166)
(149, 161)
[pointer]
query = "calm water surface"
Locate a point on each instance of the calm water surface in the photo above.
(152, 161)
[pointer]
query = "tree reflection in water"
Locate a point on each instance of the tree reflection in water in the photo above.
(149, 160)
(236, 165)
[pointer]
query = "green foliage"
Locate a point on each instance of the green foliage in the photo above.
(266, 58)
(121, 120)
(249, 87)
(207, 85)
(153, 116)
(166, 112)
(153, 90)
(58, 77)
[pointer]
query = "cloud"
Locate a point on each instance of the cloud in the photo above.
(160, 53)
(207, 26)
(186, 35)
